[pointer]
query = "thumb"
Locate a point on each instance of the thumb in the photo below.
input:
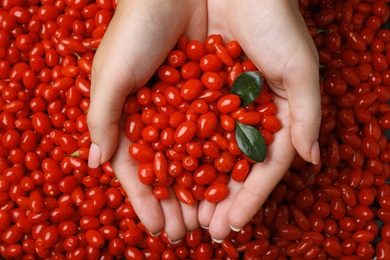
(303, 95)
(112, 81)
(113, 78)
(126, 58)
(103, 116)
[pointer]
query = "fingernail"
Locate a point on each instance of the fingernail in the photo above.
(94, 157)
(174, 242)
(315, 153)
(204, 227)
(219, 241)
(155, 234)
(235, 229)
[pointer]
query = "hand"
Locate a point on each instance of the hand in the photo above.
(169, 214)
(139, 37)
(274, 36)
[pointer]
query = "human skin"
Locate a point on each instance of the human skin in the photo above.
(137, 41)
(274, 36)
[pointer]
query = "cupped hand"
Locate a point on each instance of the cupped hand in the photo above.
(170, 215)
(138, 39)
(274, 36)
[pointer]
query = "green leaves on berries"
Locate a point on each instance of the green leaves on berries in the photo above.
(250, 141)
(248, 86)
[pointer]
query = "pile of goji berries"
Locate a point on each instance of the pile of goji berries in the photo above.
(52, 206)
(183, 127)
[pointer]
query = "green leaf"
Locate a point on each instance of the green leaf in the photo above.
(250, 141)
(309, 179)
(248, 86)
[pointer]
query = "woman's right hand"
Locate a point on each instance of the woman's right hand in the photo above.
(273, 34)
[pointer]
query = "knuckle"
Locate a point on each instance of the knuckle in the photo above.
(92, 122)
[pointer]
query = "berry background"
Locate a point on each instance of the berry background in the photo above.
(52, 206)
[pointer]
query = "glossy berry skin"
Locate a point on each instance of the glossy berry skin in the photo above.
(134, 126)
(216, 192)
(206, 125)
(185, 132)
(228, 103)
(141, 153)
(205, 174)
(240, 170)
(161, 192)
(184, 195)
(191, 89)
(160, 166)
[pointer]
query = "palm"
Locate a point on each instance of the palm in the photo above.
(245, 199)
(275, 40)
(257, 30)
(275, 37)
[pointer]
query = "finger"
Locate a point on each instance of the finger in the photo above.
(264, 176)
(301, 81)
(220, 226)
(303, 95)
(216, 25)
(174, 225)
(111, 83)
(205, 213)
(139, 194)
(190, 216)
